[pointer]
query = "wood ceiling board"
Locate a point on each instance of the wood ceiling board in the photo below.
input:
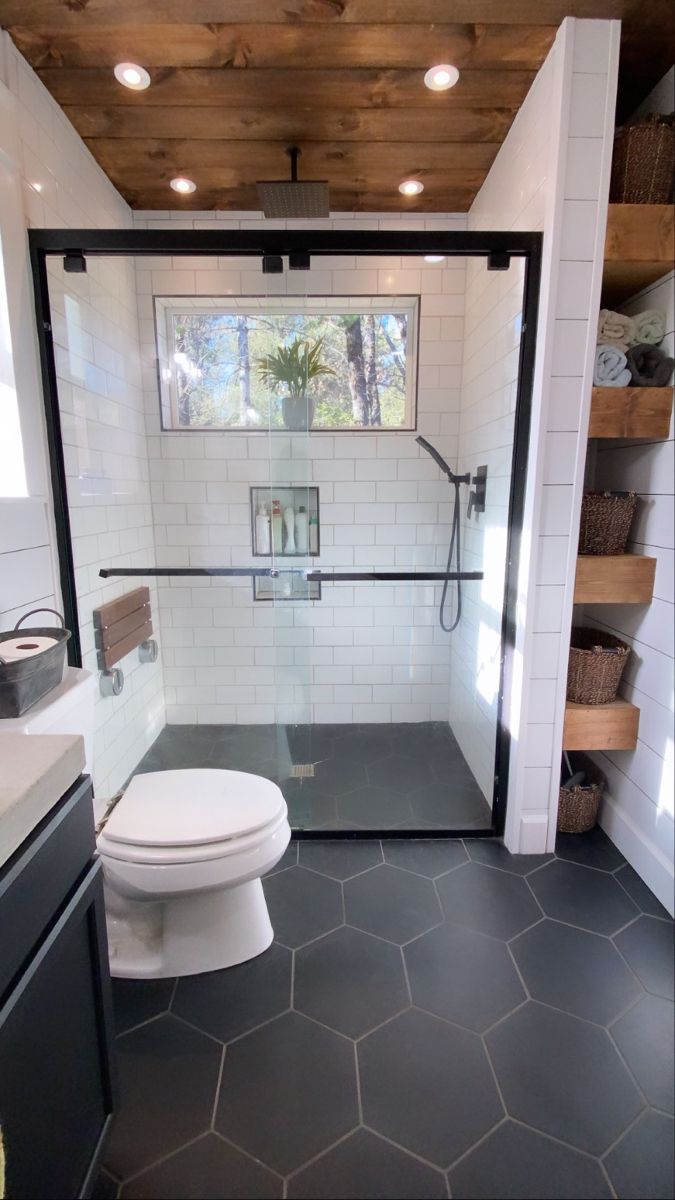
(272, 88)
(72, 14)
(346, 47)
(293, 125)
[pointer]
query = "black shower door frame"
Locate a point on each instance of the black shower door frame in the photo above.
(75, 245)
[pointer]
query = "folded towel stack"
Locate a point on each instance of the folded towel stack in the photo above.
(614, 329)
(650, 327)
(626, 350)
(610, 368)
(648, 366)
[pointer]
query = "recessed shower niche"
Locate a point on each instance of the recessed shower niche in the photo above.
(285, 524)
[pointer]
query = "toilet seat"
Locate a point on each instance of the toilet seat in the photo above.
(192, 815)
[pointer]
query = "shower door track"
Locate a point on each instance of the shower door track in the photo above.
(497, 246)
(311, 574)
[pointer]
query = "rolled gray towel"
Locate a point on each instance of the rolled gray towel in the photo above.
(615, 329)
(650, 327)
(610, 368)
(649, 367)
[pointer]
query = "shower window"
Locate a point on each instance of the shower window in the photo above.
(212, 354)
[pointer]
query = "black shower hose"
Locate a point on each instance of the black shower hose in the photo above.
(454, 542)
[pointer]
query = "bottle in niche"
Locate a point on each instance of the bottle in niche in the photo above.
(314, 534)
(262, 530)
(301, 530)
(277, 526)
(289, 526)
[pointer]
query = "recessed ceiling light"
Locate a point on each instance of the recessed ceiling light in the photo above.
(183, 185)
(434, 258)
(132, 76)
(442, 77)
(411, 187)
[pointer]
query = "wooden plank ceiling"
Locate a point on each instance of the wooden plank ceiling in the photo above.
(234, 82)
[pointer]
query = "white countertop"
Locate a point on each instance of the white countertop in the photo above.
(35, 771)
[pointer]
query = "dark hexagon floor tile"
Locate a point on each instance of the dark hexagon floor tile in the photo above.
(168, 1078)
(365, 1167)
(645, 1037)
(288, 1092)
(138, 1000)
(310, 743)
(518, 1162)
(642, 1166)
(340, 858)
(591, 900)
(592, 849)
(399, 774)
(639, 893)
(350, 981)
(488, 901)
(563, 1076)
(463, 976)
(431, 857)
(647, 945)
(339, 775)
(428, 1086)
(302, 905)
(494, 854)
(392, 904)
(449, 803)
(230, 1002)
(309, 804)
(373, 807)
(363, 746)
(106, 1187)
(577, 971)
(206, 1170)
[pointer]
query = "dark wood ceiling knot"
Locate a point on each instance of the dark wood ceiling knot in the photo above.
(76, 5)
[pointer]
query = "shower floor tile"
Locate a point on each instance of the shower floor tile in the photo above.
(378, 777)
(389, 1045)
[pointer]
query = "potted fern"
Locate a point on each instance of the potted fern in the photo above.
(293, 367)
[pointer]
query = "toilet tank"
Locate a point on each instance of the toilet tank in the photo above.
(68, 708)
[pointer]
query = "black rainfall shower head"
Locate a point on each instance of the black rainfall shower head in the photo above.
(293, 197)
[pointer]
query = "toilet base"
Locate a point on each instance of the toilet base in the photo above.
(187, 935)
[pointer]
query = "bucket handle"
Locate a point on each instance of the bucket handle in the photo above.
(32, 613)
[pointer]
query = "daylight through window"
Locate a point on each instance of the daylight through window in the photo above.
(257, 365)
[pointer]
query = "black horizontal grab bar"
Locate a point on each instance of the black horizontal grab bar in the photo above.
(310, 574)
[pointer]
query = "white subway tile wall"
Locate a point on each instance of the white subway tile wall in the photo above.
(552, 175)
(364, 652)
(97, 347)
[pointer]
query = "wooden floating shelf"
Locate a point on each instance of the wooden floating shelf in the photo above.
(601, 726)
(639, 248)
(614, 579)
(632, 412)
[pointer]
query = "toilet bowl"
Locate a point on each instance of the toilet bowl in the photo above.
(183, 853)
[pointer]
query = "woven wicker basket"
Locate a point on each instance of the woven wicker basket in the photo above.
(578, 807)
(643, 160)
(596, 664)
(606, 518)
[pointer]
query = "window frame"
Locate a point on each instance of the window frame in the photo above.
(166, 307)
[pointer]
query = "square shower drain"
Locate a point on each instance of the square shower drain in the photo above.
(302, 771)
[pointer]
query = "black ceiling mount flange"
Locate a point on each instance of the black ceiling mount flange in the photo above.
(74, 262)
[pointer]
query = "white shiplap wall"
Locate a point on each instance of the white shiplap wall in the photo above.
(638, 811)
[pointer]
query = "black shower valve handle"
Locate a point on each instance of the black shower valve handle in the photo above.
(478, 491)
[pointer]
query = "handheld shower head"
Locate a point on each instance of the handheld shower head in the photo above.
(438, 458)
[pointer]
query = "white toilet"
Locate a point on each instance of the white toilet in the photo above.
(182, 853)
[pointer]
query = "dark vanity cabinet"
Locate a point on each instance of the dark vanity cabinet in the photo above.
(56, 1084)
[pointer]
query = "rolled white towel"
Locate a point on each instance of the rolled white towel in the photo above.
(615, 329)
(650, 327)
(610, 368)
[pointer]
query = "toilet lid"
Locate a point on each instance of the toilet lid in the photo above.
(189, 808)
